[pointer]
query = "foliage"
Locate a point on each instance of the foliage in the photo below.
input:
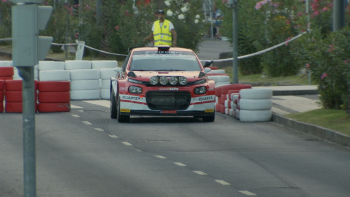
(57, 25)
(5, 19)
(187, 18)
(329, 61)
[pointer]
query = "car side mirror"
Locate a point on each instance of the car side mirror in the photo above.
(206, 70)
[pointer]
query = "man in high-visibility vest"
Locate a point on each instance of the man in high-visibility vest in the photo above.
(163, 32)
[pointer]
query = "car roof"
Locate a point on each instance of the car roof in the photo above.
(156, 49)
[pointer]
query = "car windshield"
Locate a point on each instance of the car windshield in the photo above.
(164, 61)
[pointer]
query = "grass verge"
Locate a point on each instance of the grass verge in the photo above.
(258, 79)
(337, 120)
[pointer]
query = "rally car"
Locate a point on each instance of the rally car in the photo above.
(162, 81)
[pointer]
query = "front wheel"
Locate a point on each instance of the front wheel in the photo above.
(113, 106)
(122, 118)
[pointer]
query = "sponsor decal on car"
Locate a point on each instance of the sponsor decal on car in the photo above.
(168, 88)
(130, 98)
(203, 99)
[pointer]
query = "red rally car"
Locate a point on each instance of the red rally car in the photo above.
(162, 81)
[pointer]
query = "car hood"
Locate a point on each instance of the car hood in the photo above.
(146, 75)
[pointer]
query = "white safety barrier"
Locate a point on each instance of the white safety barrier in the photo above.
(77, 64)
(51, 65)
(97, 64)
(254, 105)
(5, 63)
(85, 84)
(54, 75)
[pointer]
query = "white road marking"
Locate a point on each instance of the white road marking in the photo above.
(127, 143)
(200, 173)
(222, 182)
(247, 193)
(99, 129)
(104, 103)
(87, 122)
(80, 110)
(75, 107)
(75, 115)
(179, 164)
(160, 157)
(113, 136)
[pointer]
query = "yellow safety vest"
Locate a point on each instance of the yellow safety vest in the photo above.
(162, 35)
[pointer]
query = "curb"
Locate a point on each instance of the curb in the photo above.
(294, 92)
(324, 133)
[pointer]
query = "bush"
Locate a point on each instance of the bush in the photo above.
(329, 62)
(5, 20)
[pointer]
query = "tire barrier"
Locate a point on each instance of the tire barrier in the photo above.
(2, 86)
(77, 64)
(85, 84)
(51, 65)
(254, 105)
(54, 75)
(53, 86)
(255, 115)
(103, 64)
(221, 71)
(53, 96)
(105, 76)
(6, 73)
(13, 96)
(5, 63)
(17, 77)
(92, 74)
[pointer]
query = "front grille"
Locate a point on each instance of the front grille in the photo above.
(168, 100)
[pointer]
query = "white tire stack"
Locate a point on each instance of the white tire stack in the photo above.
(104, 64)
(77, 64)
(85, 84)
(105, 76)
(254, 105)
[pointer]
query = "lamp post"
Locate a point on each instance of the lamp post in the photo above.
(234, 4)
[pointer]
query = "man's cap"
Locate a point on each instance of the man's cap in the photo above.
(160, 12)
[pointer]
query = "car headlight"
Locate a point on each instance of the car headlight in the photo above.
(163, 80)
(182, 80)
(200, 90)
(153, 80)
(135, 90)
(173, 80)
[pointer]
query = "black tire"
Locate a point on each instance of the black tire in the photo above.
(122, 118)
(208, 118)
(113, 106)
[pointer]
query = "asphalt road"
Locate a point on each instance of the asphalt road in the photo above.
(84, 153)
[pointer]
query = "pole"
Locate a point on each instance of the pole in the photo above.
(211, 20)
(339, 7)
(66, 46)
(308, 9)
(235, 41)
(29, 159)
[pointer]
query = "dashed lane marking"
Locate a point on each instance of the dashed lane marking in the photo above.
(222, 182)
(127, 143)
(80, 110)
(75, 115)
(200, 173)
(99, 129)
(247, 193)
(160, 157)
(179, 164)
(87, 122)
(113, 136)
